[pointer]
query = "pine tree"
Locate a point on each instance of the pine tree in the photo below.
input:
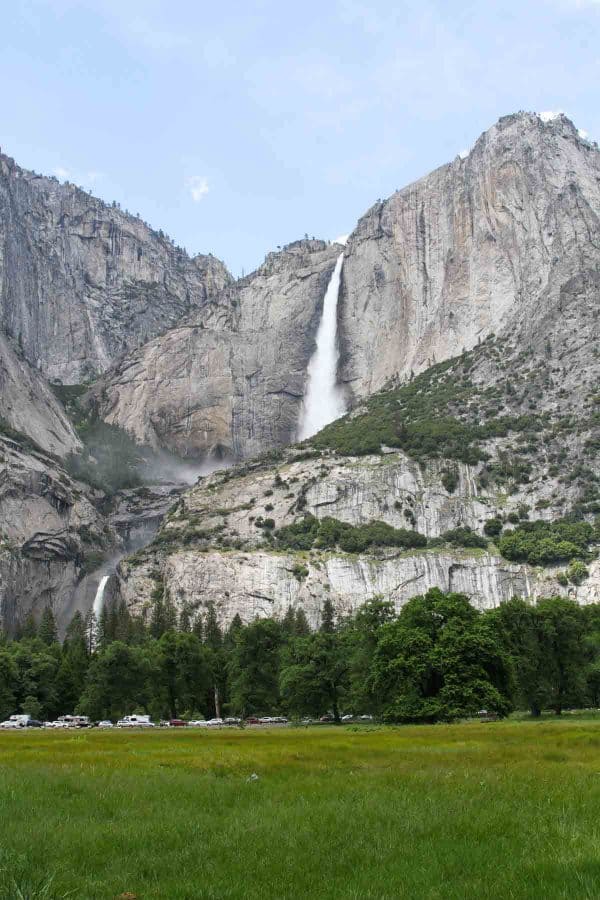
(301, 626)
(29, 629)
(47, 631)
(213, 636)
(327, 617)
(198, 627)
(122, 623)
(164, 615)
(102, 637)
(76, 629)
(288, 623)
(185, 619)
(234, 629)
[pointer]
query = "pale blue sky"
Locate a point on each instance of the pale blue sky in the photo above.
(237, 126)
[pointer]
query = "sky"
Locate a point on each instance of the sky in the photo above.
(240, 126)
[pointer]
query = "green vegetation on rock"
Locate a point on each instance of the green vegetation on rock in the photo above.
(329, 533)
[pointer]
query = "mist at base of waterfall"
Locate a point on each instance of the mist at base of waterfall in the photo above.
(324, 400)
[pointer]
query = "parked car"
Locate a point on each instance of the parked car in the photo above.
(176, 723)
(327, 718)
(199, 723)
(231, 720)
(347, 718)
(252, 720)
(105, 723)
(214, 723)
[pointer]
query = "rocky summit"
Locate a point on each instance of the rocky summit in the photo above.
(468, 321)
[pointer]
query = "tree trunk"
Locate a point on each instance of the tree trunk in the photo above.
(217, 702)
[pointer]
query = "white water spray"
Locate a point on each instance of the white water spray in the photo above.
(324, 401)
(99, 598)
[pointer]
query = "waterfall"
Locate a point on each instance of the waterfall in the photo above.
(323, 400)
(99, 598)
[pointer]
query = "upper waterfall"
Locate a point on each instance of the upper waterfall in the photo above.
(323, 400)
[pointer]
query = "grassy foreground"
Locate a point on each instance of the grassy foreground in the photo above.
(501, 810)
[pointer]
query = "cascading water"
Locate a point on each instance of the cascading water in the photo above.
(99, 598)
(323, 400)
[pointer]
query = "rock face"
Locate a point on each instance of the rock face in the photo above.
(481, 245)
(493, 243)
(497, 253)
(232, 378)
(210, 549)
(82, 282)
(27, 404)
(49, 531)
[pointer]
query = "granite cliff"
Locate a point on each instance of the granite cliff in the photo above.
(231, 378)
(468, 325)
(484, 244)
(82, 282)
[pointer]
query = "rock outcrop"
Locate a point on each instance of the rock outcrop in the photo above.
(232, 378)
(482, 245)
(82, 282)
(28, 406)
(214, 547)
(51, 533)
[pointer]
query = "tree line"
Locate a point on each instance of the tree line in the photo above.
(438, 659)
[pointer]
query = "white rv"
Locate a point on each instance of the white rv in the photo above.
(135, 722)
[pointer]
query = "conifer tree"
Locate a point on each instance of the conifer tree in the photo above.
(185, 619)
(327, 617)
(301, 626)
(198, 627)
(288, 623)
(47, 631)
(29, 629)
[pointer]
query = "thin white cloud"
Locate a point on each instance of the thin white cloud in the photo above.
(61, 172)
(198, 187)
(342, 239)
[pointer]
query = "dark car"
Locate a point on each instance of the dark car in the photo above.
(176, 723)
(252, 720)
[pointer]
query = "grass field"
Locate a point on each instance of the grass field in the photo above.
(500, 810)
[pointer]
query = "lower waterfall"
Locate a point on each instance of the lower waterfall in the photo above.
(99, 598)
(323, 400)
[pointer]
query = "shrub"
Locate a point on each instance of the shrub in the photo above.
(450, 480)
(577, 571)
(299, 571)
(493, 527)
(329, 533)
(463, 537)
(541, 543)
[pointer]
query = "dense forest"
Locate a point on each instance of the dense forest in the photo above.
(438, 659)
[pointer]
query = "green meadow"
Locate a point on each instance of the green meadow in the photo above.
(498, 810)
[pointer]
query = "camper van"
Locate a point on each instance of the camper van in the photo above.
(135, 722)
